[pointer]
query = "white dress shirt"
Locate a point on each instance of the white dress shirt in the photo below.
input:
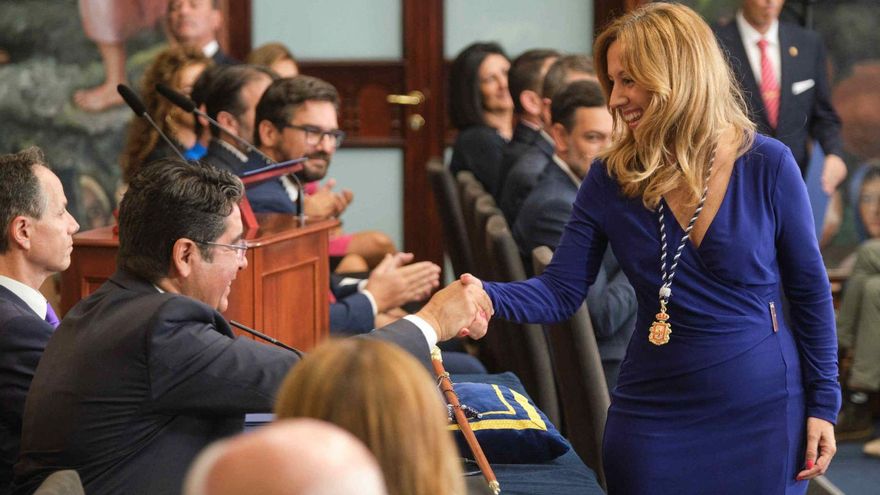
(211, 48)
(32, 297)
(750, 37)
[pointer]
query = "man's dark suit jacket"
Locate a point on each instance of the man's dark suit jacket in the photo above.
(134, 383)
(611, 300)
(808, 114)
(522, 177)
(524, 138)
(352, 313)
(23, 336)
(269, 196)
(220, 58)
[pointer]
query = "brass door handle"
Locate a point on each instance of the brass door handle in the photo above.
(412, 98)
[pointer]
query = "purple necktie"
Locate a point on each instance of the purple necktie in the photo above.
(51, 317)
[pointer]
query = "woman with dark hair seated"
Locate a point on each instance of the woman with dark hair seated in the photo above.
(481, 108)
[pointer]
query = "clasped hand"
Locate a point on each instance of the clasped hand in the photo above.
(461, 309)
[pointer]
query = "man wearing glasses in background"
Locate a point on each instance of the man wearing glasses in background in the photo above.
(298, 117)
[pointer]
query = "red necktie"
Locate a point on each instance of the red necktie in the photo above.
(769, 86)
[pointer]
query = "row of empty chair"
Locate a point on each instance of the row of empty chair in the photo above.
(558, 364)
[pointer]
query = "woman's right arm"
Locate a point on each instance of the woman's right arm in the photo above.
(560, 290)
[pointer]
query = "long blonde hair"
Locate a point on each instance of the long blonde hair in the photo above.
(385, 398)
(672, 53)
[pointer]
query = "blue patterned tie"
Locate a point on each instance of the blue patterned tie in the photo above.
(51, 317)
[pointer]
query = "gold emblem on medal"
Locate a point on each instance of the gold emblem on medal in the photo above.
(660, 329)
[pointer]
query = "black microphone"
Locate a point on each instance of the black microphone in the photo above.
(265, 337)
(187, 105)
(137, 106)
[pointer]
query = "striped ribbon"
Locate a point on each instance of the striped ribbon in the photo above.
(666, 277)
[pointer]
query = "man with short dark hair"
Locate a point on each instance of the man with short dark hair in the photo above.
(523, 174)
(145, 372)
(36, 243)
(524, 81)
(581, 129)
(195, 23)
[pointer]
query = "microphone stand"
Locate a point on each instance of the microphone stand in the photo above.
(265, 337)
(452, 398)
(137, 106)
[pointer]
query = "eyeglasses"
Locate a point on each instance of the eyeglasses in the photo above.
(315, 135)
(240, 247)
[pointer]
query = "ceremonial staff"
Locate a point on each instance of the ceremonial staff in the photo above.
(452, 398)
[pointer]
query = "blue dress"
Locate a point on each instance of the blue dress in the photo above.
(722, 407)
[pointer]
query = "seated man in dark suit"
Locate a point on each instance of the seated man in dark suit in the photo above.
(581, 129)
(36, 242)
(145, 372)
(524, 82)
(522, 175)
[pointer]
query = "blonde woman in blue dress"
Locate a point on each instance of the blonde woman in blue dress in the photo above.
(719, 392)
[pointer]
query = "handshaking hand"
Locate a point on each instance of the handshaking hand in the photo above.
(461, 309)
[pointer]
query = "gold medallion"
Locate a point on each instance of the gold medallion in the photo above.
(659, 332)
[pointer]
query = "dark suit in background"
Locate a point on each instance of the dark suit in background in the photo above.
(479, 148)
(524, 138)
(134, 383)
(221, 58)
(266, 197)
(23, 336)
(807, 114)
(522, 177)
(611, 300)
(352, 313)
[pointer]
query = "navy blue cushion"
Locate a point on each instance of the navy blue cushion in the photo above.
(510, 429)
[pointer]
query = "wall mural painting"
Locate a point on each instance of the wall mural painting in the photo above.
(60, 62)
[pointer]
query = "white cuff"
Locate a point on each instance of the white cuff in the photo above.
(427, 330)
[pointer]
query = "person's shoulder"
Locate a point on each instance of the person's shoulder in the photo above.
(808, 43)
(17, 323)
(601, 174)
(765, 146)
(768, 156)
(478, 134)
(126, 295)
(531, 162)
(725, 28)
(798, 33)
